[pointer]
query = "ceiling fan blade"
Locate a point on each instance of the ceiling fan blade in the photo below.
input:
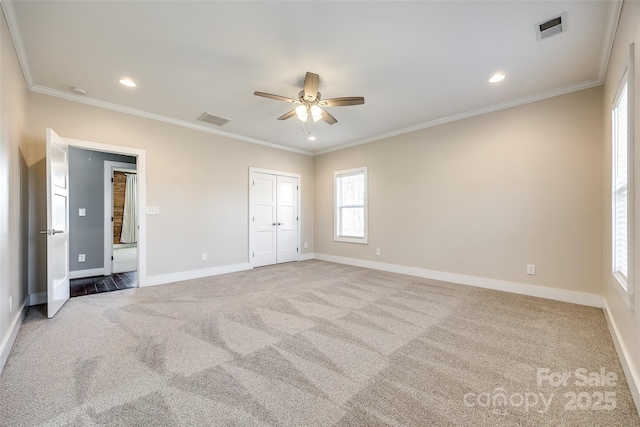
(288, 115)
(328, 118)
(342, 102)
(276, 97)
(311, 84)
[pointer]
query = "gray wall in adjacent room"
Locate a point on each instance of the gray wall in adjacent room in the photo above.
(86, 190)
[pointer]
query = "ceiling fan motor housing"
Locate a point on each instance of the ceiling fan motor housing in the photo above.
(308, 98)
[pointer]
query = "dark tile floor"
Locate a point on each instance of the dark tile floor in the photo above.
(98, 284)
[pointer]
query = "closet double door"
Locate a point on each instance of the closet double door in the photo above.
(274, 218)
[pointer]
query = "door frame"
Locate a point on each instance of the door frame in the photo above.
(251, 207)
(109, 167)
(141, 170)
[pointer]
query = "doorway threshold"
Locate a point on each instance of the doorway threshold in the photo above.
(99, 284)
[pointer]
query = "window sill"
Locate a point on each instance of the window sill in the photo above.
(361, 240)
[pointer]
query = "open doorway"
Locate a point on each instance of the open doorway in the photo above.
(120, 218)
(59, 212)
(124, 254)
(98, 261)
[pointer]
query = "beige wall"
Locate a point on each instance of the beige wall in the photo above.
(199, 181)
(484, 196)
(13, 180)
(481, 197)
(626, 321)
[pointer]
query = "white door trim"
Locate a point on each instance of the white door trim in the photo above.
(141, 169)
(109, 167)
(251, 213)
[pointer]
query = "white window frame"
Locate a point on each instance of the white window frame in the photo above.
(336, 215)
(624, 285)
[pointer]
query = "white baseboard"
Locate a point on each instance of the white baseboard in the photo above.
(161, 279)
(9, 339)
(36, 299)
(306, 257)
(581, 298)
(78, 274)
(630, 372)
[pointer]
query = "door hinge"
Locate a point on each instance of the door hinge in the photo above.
(297, 218)
(253, 183)
(111, 179)
(297, 250)
(253, 219)
(111, 219)
(254, 254)
(111, 257)
(297, 188)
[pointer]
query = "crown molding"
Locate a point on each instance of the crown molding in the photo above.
(615, 9)
(14, 30)
(480, 111)
(145, 114)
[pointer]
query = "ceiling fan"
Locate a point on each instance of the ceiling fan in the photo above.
(310, 105)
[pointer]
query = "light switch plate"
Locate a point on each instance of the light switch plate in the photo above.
(82, 212)
(153, 210)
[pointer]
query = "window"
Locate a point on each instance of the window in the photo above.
(620, 186)
(622, 189)
(351, 205)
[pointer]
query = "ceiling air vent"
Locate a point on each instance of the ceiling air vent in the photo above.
(551, 27)
(214, 120)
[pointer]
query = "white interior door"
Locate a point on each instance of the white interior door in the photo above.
(274, 218)
(287, 219)
(57, 222)
(263, 197)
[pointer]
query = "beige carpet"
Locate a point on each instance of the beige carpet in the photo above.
(314, 343)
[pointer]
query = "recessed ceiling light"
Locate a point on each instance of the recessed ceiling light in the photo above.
(496, 78)
(311, 138)
(127, 82)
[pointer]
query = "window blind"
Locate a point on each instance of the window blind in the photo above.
(620, 187)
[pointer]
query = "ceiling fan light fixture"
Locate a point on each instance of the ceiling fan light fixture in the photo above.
(316, 113)
(302, 112)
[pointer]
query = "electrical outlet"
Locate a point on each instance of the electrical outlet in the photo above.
(81, 257)
(204, 256)
(531, 269)
(153, 210)
(378, 251)
(306, 245)
(10, 303)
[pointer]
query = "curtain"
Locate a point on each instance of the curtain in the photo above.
(130, 217)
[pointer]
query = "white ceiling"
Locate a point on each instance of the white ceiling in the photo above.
(416, 63)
